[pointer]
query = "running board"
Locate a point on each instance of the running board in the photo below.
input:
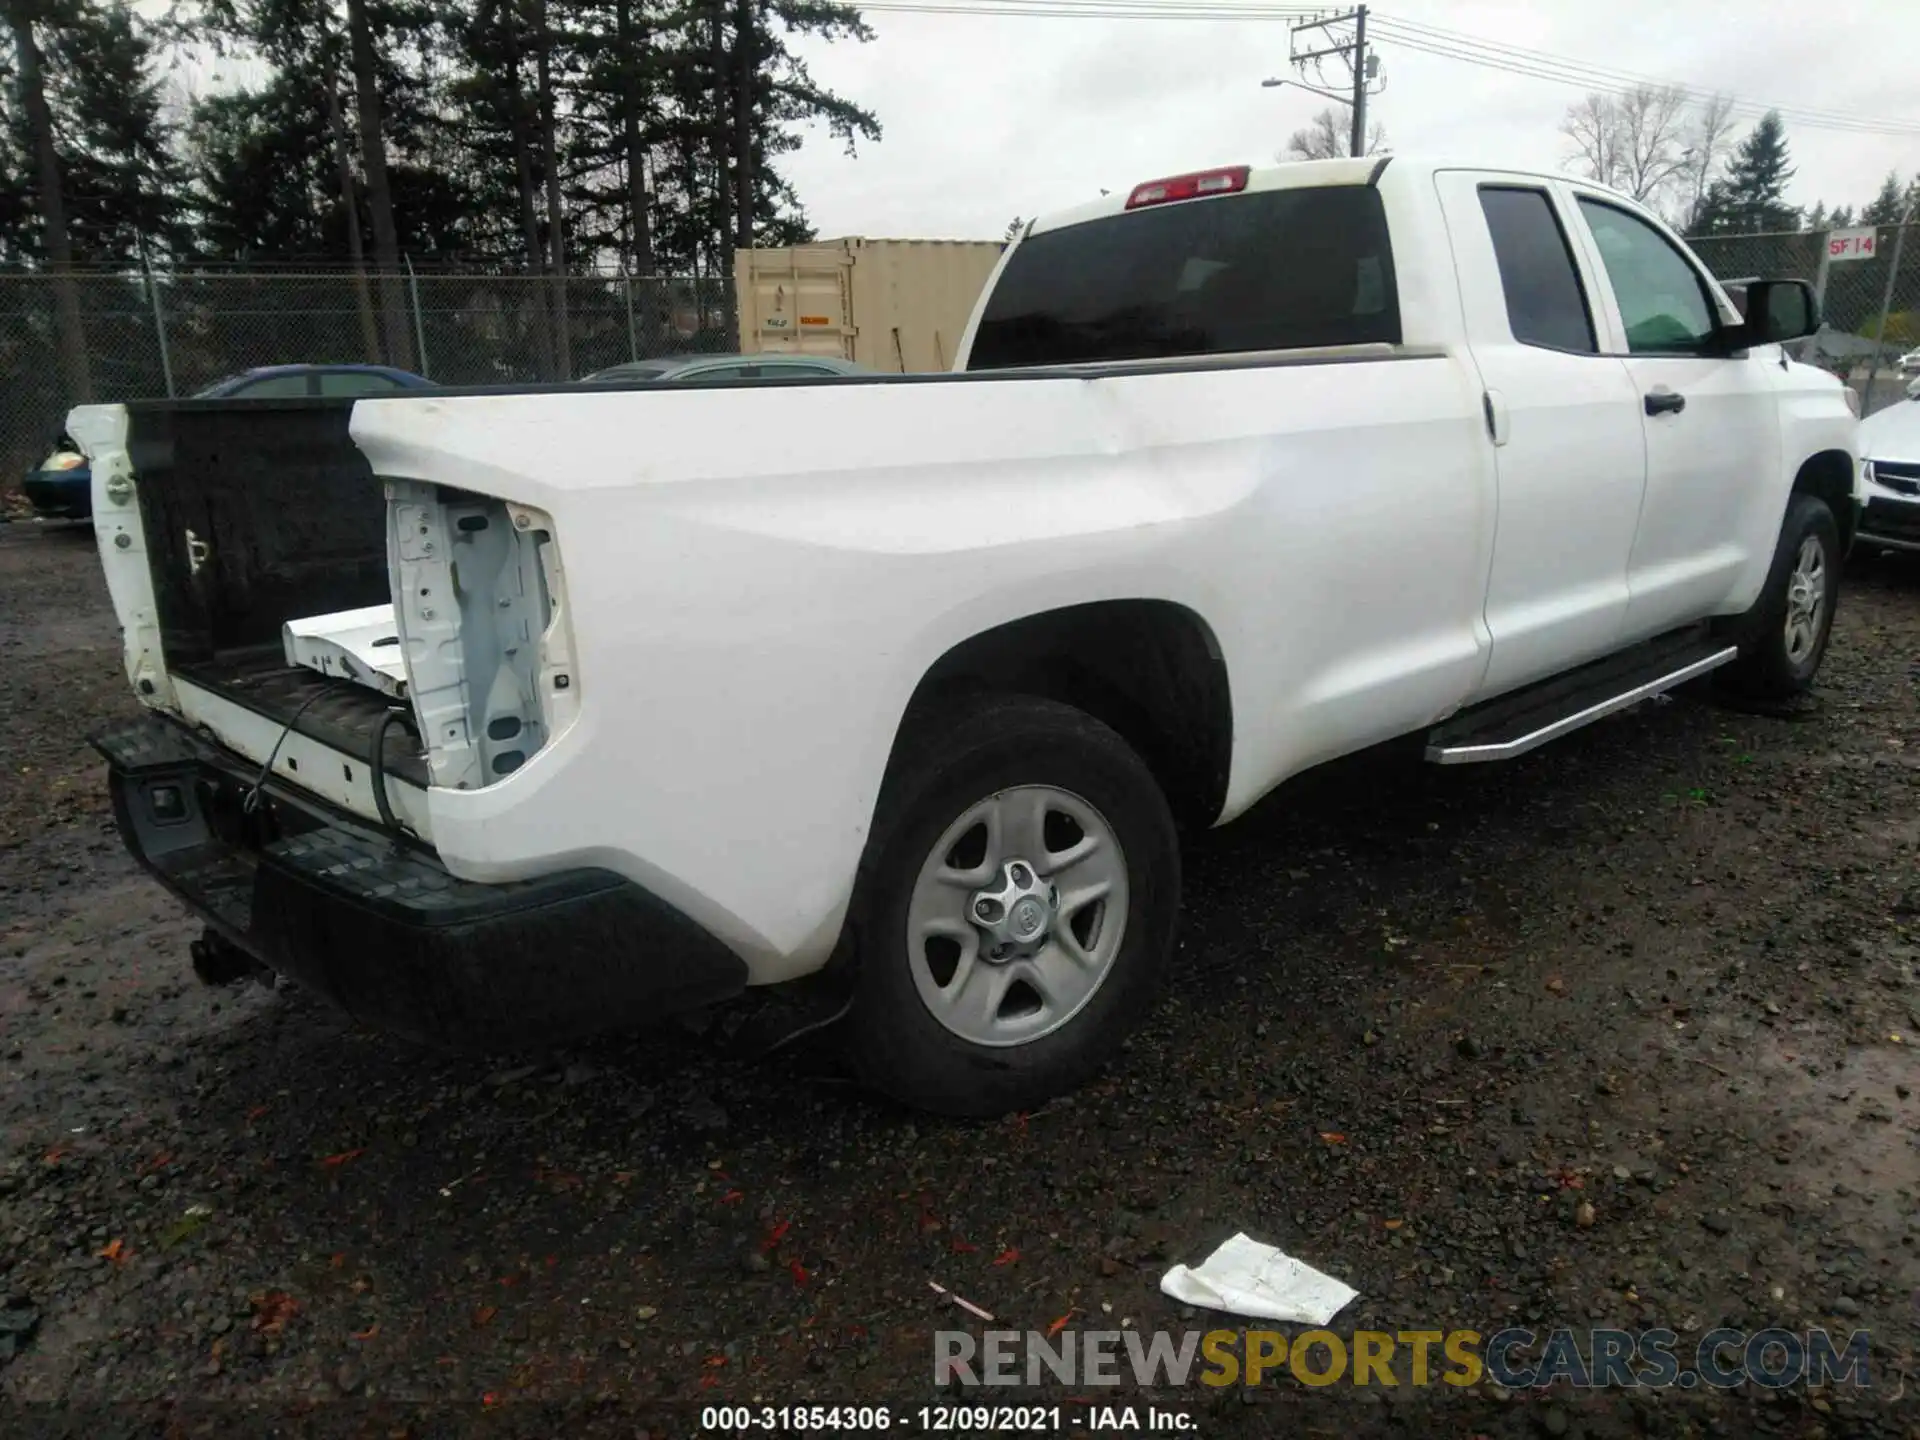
(1513, 724)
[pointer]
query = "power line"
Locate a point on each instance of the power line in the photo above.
(1089, 9)
(1427, 39)
(1748, 108)
(1353, 49)
(1567, 72)
(1411, 29)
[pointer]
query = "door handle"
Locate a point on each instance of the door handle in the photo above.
(1662, 401)
(1494, 404)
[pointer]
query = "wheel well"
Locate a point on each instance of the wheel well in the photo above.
(1829, 476)
(1150, 669)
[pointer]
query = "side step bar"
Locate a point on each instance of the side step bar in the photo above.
(1511, 725)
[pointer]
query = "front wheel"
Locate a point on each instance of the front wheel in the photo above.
(1016, 909)
(1784, 636)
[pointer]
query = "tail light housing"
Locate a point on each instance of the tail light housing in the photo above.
(1201, 183)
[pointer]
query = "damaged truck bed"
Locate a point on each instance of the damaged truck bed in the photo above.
(278, 784)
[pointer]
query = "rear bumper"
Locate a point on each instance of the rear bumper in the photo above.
(66, 496)
(383, 931)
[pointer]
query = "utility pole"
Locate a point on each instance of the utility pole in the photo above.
(1358, 144)
(1363, 64)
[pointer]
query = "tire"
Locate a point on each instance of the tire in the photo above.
(1776, 662)
(1042, 778)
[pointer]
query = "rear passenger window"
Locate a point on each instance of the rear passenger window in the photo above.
(1266, 270)
(1545, 304)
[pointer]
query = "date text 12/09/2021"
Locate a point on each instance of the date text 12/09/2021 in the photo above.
(940, 1419)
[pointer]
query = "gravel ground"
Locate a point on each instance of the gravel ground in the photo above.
(1621, 1033)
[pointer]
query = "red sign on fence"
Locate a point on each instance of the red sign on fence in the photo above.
(1851, 244)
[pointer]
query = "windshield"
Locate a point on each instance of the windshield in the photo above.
(1269, 270)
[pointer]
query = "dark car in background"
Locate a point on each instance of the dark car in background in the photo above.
(60, 487)
(270, 382)
(772, 366)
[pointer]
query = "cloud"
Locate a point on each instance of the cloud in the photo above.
(991, 117)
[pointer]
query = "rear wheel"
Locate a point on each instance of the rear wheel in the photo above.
(1016, 910)
(1784, 636)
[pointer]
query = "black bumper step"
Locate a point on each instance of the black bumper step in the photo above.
(1513, 724)
(382, 929)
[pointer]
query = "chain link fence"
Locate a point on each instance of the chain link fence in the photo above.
(1854, 296)
(174, 335)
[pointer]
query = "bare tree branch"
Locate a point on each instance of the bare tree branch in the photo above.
(1653, 130)
(1327, 137)
(1593, 126)
(1649, 142)
(1709, 137)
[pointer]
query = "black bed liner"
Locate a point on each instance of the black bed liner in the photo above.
(255, 513)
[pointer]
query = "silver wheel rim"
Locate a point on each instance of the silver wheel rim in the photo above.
(1806, 600)
(1017, 915)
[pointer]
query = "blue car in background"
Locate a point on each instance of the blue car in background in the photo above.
(60, 487)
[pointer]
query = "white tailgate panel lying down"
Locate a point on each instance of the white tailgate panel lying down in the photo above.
(750, 614)
(358, 645)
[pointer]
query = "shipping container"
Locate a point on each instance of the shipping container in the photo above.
(892, 305)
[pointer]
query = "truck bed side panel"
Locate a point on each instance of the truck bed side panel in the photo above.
(751, 616)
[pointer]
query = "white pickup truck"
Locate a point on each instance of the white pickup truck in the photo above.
(502, 716)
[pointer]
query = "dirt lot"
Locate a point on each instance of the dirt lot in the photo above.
(1619, 1034)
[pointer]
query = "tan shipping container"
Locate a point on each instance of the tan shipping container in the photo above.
(892, 305)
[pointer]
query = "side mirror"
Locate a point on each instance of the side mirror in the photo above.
(1777, 311)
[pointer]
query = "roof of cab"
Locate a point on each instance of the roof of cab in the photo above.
(1289, 176)
(1293, 175)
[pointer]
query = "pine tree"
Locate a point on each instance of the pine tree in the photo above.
(373, 166)
(681, 113)
(499, 123)
(31, 22)
(261, 162)
(1886, 207)
(1756, 184)
(544, 136)
(617, 117)
(1714, 214)
(124, 181)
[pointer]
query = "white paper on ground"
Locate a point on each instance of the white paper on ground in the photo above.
(1248, 1278)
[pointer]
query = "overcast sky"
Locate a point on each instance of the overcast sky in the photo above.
(991, 117)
